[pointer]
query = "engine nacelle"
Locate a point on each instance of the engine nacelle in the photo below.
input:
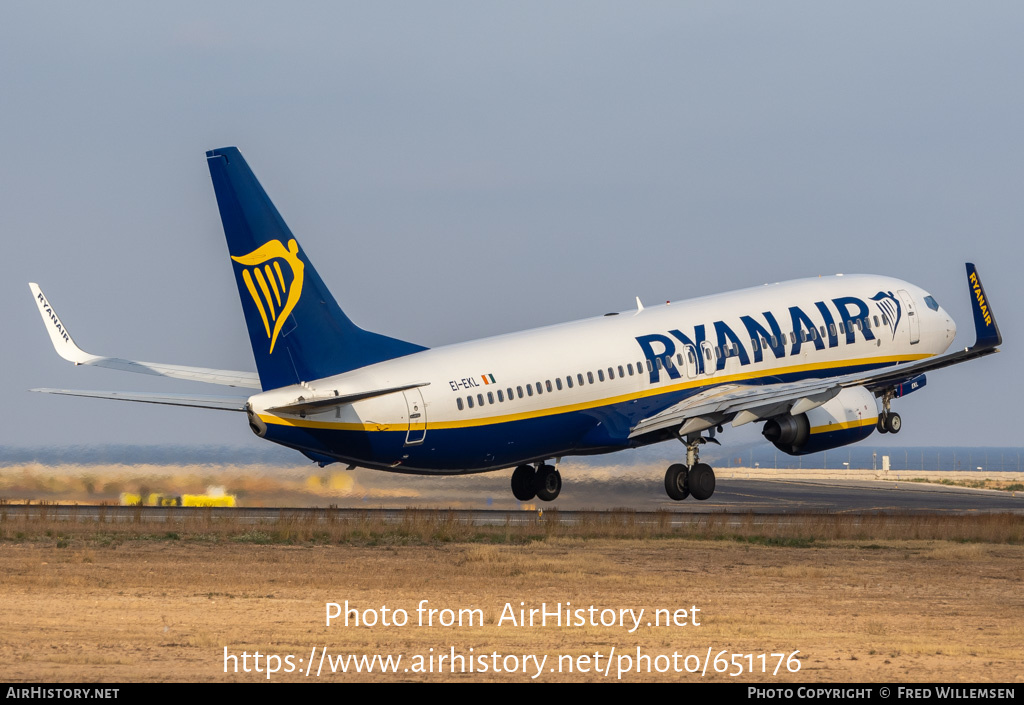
(848, 417)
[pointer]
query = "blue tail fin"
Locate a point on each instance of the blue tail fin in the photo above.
(297, 330)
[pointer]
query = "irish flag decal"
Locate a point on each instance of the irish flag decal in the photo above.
(488, 379)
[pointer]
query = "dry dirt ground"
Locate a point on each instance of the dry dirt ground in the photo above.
(165, 610)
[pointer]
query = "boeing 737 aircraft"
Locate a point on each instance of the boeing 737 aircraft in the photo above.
(813, 360)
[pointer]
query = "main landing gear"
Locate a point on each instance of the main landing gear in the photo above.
(694, 479)
(544, 483)
(888, 421)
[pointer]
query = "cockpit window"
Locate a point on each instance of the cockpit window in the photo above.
(932, 304)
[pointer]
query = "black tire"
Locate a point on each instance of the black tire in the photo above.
(676, 482)
(880, 426)
(894, 423)
(701, 481)
(548, 483)
(523, 480)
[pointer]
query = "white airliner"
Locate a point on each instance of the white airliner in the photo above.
(812, 359)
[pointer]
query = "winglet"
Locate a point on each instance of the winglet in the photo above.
(985, 326)
(59, 336)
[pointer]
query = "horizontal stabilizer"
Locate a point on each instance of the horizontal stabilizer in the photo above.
(65, 346)
(195, 400)
(337, 399)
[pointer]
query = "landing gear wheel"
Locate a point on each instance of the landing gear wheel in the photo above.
(881, 426)
(676, 485)
(523, 483)
(548, 483)
(701, 481)
(893, 423)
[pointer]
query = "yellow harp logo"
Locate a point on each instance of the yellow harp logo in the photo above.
(270, 291)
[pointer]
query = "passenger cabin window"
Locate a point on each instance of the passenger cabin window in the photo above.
(458, 403)
(480, 399)
(630, 368)
(540, 390)
(511, 396)
(529, 390)
(501, 396)
(622, 372)
(611, 373)
(520, 391)
(469, 400)
(547, 383)
(568, 381)
(579, 378)
(659, 362)
(832, 329)
(590, 377)
(600, 375)
(558, 383)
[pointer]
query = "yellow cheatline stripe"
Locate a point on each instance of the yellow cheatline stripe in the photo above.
(844, 425)
(256, 299)
(266, 292)
(552, 411)
(273, 283)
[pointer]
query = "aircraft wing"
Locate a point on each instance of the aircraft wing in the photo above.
(67, 349)
(744, 403)
(194, 400)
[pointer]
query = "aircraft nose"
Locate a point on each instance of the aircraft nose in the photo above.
(950, 329)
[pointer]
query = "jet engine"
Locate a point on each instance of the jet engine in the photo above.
(847, 418)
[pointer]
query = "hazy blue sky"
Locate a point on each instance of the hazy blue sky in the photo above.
(459, 169)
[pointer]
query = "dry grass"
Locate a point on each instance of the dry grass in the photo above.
(982, 484)
(863, 598)
(415, 526)
(893, 610)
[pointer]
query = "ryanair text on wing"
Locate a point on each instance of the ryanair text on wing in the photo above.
(980, 296)
(53, 317)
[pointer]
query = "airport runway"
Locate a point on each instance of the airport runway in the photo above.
(854, 496)
(732, 496)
